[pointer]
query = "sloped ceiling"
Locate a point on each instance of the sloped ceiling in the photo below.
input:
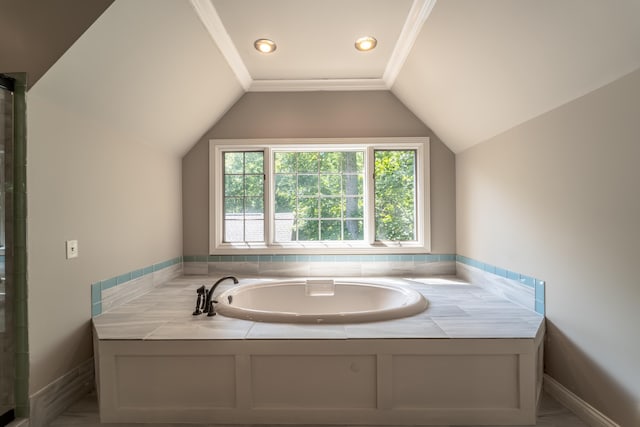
(479, 68)
(476, 69)
(149, 69)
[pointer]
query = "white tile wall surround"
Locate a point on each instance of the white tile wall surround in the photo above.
(118, 295)
(166, 274)
(109, 294)
(509, 289)
(363, 268)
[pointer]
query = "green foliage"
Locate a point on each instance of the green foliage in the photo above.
(320, 195)
(395, 194)
(244, 195)
(323, 191)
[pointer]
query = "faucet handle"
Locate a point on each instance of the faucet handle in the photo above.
(205, 297)
(197, 311)
(200, 300)
(211, 311)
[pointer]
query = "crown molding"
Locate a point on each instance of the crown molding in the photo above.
(418, 14)
(317, 85)
(212, 22)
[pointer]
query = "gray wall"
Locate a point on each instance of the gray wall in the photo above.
(120, 198)
(557, 198)
(316, 115)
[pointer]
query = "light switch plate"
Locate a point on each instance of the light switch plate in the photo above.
(72, 249)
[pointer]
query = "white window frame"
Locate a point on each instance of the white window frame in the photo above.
(369, 246)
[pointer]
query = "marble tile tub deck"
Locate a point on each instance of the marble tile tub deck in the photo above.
(456, 309)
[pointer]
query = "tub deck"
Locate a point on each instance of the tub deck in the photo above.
(471, 358)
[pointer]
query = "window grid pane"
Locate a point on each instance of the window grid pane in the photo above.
(243, 196)
(315, 194)
(395, 195)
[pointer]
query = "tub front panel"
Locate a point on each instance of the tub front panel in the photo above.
(489, 381)
(375, 382)
(322, 381)
(187, 381)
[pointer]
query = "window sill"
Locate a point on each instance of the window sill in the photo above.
(320, 248)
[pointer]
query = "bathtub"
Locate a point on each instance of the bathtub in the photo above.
(452, 364)
(320, 301)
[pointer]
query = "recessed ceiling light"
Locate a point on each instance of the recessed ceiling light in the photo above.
(264, 45)
(364, 44)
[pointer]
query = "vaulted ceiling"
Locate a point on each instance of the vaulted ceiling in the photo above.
(166, 70)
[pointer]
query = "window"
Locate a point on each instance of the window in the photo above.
(319, 196)
(395, 195)
(243, 196)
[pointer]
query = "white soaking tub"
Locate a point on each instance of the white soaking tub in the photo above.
(320, 301)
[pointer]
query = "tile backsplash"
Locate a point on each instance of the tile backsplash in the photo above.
(524, 290)
(112, 292)
(322, 265)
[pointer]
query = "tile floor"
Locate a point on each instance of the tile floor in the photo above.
(85, 414)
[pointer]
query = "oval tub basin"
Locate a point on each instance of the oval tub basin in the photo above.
(320, 301)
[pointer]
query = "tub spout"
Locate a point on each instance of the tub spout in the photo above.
(208, 305)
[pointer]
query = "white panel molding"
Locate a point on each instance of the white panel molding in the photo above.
(351, 381)
(212, 22)
(582, 409)
(317, 85)
(418, 14)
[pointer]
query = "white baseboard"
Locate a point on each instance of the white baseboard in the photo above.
(582, 409)
(49, 402)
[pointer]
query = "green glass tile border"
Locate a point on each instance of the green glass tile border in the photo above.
(109, 283)
(96, 293)
(537, 285)
(122, 279)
